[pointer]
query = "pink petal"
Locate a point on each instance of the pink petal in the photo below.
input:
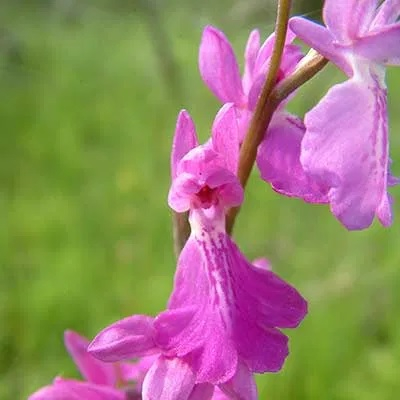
(346, 148)
(218, 66)
(168, 379)
(278, 159)
(388, 13)
(202, 391)
(188, 272)
(69, 389)
(263, 349)
(225, 136)
(92, 370)
(182, 188)
(242, 386)
(128, 338)
(381, 46)
(185, 139)
(266, 49)
(262, 263)
(347, 19)
(320, 39)
(250, 54)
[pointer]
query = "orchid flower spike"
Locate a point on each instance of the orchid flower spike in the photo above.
(222, 318)
(346, 147)
(278, 157)
(103, 381)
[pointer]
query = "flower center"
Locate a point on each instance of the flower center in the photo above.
(205, 197)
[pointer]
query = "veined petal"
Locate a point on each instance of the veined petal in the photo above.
(168, 379)
(92, 370)
(387, 13)
(346, 148)
(347, 19)
(218, 66)
(185, 139)
(320, 39)
(278, 159)
(242, 386)
(128, 338)
(382, 46)
(250, 54)
(225, 136)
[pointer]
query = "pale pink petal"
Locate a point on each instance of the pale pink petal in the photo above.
(185, 139)
(225, 136)
(92, 369)
(388, 13)
(320, 39)
(348, 19)
(278, 159)
(346, 148)
(182, 188)
(242, 386)
(218, 66)
(262, 263)
(168, 379)
(382, 46)
(250, 54)
(128, 338)
(384, 211)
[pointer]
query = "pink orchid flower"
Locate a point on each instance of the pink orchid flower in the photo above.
(278, 157)
(346, 146)
(103, 381)
(222, 318)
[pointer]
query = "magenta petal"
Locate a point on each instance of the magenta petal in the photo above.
(278, 159)
(218, 66)
(69, 389)
(346, 19)
(168, 379)
(185, 139)
(242, 386)
(252, 47)
(202, 391)
(264, 350)
(225, 135)
(382, 46)
(346, 148)
(92, 370)
(187, 272)
(128, 338)
(320, 39)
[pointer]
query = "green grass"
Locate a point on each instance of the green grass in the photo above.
(87, 119)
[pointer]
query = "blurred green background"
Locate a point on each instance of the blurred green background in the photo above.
(89, 93)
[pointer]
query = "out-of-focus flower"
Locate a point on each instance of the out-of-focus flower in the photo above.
(103, 381)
